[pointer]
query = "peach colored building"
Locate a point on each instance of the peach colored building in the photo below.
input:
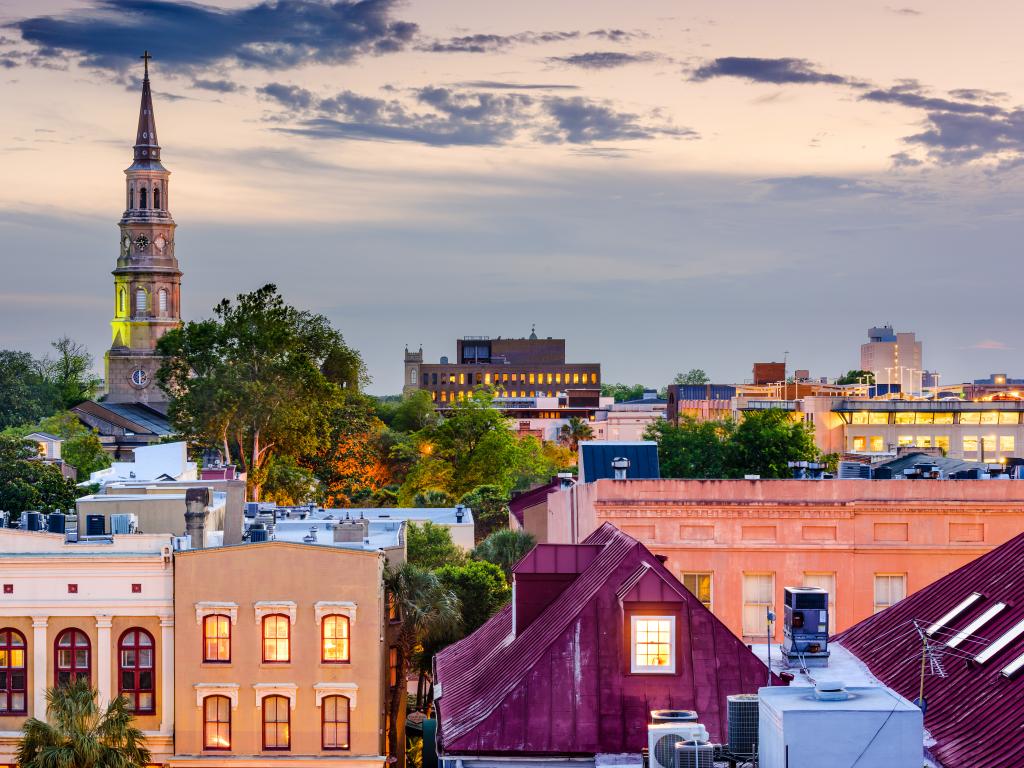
(280, 658)
(737, 543)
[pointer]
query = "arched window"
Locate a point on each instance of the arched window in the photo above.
(12, 672)
(334, 646)
(276, 639)
(121, 298)
(216, 639)
(156, 198)
(135, 668)
(216, 722)
(140, 301)
(334, 727)
(142, 197)
(73, 658)
(163, 301)
(276, 723)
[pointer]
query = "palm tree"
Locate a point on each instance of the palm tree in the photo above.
(425, 609)
(80, 735)
(572, 433)
(505, 548)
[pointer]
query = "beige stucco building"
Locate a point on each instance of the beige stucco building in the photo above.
(281, 656)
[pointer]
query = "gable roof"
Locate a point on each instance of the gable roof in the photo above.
(974, 713)
(485, 679)
(596, 459)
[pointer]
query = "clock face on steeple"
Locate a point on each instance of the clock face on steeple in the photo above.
(141, 242)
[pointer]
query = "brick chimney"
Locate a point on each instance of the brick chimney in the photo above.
(196, 502)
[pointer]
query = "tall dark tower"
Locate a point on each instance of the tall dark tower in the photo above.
(147, 281)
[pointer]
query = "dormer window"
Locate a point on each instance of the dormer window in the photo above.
(652, 645)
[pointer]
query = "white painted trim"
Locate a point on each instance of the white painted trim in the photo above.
(323, 608)
(267, 607)
(348, 690)
(288, 690)
(639, 669)
(216, 689)
(210, 608)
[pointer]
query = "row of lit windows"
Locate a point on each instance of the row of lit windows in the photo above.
(335, 644)
(73, 661)
(479, 377)
(970, 444)
(277, 723)
(461, 395)
(927, 417)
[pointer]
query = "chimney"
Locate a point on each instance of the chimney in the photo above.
(351, 531)
(196, 502)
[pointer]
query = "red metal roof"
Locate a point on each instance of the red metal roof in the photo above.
(562, 684)
(975, 714)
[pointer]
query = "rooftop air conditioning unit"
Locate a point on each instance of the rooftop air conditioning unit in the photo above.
(663, 737)
(695, 754)
(742, 713)
(123, 523)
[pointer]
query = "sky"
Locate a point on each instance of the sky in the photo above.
(666, 185)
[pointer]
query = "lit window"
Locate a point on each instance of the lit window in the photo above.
(653, 644)
(444, 396)
(593, 378)
(924, 441)
(970, 418)
(988, 445)
(12, 672)
(924, 418)
(943, 418)
(487, 378)
(575, 378)
(1009, 417)
(335, 638)
(558, 378)
(216, 722)
(549, 378)
(942, 441)
(1006, 443)
(136, 682)
(140, 301)
(970, 443)
(276, 645)
(74, 658)
(905, 417)
(990, 417)
(876, 417)
(276, 723)
(462, 378)
(860, 417)
(877, 443)
(904, 440)
(700, 585)
(890, 588)
(758, 597)
(216, 639)
(859, 443)
(335, 725)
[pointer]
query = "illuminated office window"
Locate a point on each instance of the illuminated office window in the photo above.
(1009, 417)
(924, 441)
(575, 378)
(860, 417)
(970, 418)
(877, 443)
(990, 417)
(942, 441)
(943, 418)
(988, 445)
(924, 418)
(558, 378)
(876, 417)
(859, 443)
(970, 444)
(532, 378)
(1006, 443)
(903, 417)
(904, 440)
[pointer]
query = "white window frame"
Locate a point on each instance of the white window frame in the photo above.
(764, 606)
(643, 669)
(810, 576)
(878, 607)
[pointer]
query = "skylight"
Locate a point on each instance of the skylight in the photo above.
(1008, 637)
(1013, 667)
(975, 625)
(960, 608)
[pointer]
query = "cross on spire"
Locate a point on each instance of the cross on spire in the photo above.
(145, 61)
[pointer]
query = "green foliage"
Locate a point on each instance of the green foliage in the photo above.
(81, 449)
(571, 434)
(411, 414)
(623, 392)
(430, 546)
(481, 588)
(81, 735)
(762, 443)
(505, 549)
(856, 377)
(287, 483)
(25, 394)
(260, 379)
(70, 373)
(28, 484)
(691, 377)
(432, 499)
(351, 463)
(490, 509)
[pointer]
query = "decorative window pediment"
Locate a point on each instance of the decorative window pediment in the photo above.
(209, 608)
(348, 690)
(217, 689)
(288, 690)
(267, 607)
(328, 608)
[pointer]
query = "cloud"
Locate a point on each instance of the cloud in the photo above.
(497, 85)
(914, 98)
(579, 121)
(977, 94)
(818, 187)
(488, 43)
(952, 138)
(291, 96)
(991, 344)
(602, 59)
(616, 35)
(777, 71)
(218, 86)
(903, 11)
(273, 34)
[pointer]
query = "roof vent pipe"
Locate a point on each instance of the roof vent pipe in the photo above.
(620, 466)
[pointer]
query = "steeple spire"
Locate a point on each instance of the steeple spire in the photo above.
(146, 146)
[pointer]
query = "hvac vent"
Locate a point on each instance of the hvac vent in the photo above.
(742, 714)
(663, 737)
(673, 716)
(695, 754)
(95, 525)
(258, 535)
(33, 521)
(56, 522)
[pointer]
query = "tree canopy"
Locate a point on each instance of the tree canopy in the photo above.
(505, 548)
(856, 377)
(430, 546)
(623, 392)
(29, 484)
(692, 376)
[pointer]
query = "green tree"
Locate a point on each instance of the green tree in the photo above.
(692, 376)
(29, 484)
(289, 484)
(856, 377)
(571, 434)
(765, 441)
(81, 735)
(413, 413)
(481, 588)
(505, 549)
(693, 449)
(623, 392)
(425, 608)
(490, 509)
(25, 395)
(70, 372)
(82, 448)
(352, 462)
(260, 379)
(430, 546)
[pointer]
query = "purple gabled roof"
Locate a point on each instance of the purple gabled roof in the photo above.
(518, 504)
(975, 713)
(562, 684)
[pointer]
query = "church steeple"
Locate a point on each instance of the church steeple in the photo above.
(146, 146)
